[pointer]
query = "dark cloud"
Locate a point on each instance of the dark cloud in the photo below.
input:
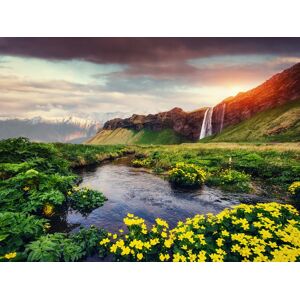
(144, 50)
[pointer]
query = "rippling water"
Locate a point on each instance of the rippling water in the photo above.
(148, 196)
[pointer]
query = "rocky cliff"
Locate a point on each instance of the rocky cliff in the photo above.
(278, 90)
(281, 88)
(184, 123)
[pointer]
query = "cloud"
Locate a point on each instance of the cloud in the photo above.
(138, 50)
(82, 76)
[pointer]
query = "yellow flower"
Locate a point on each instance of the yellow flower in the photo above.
(48, 210)
(216, 257)
(265, 234)
(245, 252)
(154, 229)
(235, 248)
(113, 248)
(220, 242)
(10, 255)
(225, 233)
(161, 222)
(26, 188)
(168, 243)
(115, 236)
(125, 251)
(202, 256)
(69, 193)
(164, 235)
(140, 256)
(104, 241)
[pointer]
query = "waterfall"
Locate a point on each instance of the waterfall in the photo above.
(206, 128)
(222, 116)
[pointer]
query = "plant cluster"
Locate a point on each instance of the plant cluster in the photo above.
(259, 233)
(232, 180)
(84, 199)
(141, 163)
(62, 247)
(36, 184)
(187, 175)
(294, 190)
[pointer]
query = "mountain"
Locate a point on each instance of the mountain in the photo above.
(70, 129)
(274, 105)
(279, 124)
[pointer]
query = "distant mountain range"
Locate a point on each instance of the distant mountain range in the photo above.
(67, 130)
(269, 112)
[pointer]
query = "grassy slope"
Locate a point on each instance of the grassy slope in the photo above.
(281, 124)
(130, 137)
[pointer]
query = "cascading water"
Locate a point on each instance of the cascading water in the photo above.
(206, 128)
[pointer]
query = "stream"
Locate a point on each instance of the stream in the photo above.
(131, 190)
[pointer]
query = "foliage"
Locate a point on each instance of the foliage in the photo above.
(141, 163)
(294, 190)
(262, 232)
(29, 191)
(273, 165)
(85, 199)
(88, 239)
(17, 229)
(36, 182)
(63, 247)
(80, 155)
(232, 180)
(187, 175)
(54, 247)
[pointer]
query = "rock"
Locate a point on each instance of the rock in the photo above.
(186, 124)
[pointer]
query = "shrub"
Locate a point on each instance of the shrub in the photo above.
(54, 247)
(17, 229)
(141, 163)
(233, 180)
(85, 200)
(294, 190)
(262, 232)
(88, 239)
(63, 247)
(187, 175)
(30, 191)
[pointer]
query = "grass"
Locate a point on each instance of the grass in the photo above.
(274, 166)
(131, 137)
(281, 124)
(81, 155)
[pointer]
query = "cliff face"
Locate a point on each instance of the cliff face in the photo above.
(277, 91)
(186, 124)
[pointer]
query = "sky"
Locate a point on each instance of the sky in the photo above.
(88, 77)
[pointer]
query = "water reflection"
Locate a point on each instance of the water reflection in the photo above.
(146, 195)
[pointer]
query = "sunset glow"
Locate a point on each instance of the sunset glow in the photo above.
(58, 77)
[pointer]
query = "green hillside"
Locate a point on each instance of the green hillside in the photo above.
(131, 137)
(281, 124)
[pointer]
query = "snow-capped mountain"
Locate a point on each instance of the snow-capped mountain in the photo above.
(68, 130)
